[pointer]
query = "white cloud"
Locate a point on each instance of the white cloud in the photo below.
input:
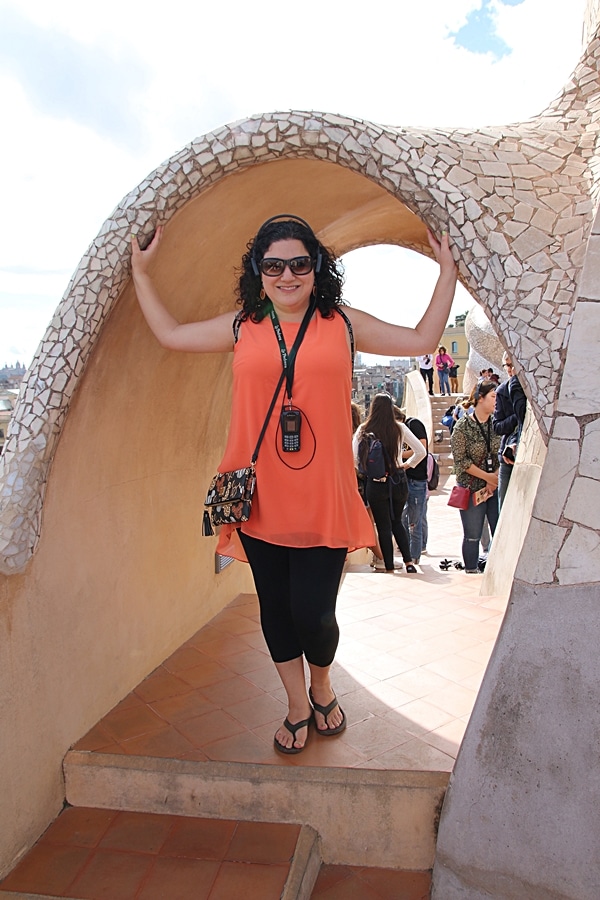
(177, 71)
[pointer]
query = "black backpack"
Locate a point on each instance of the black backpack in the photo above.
(374, 465)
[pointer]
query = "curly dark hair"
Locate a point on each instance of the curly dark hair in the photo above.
(329, 279)
(381, 422)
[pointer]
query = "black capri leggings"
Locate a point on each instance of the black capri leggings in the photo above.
(297, 590)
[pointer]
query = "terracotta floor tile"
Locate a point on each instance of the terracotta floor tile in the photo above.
(213, 726)
(456, 700)
(474, 681)
(421, 716)
(254, 639)
(478, 652)
(264, 842)
(208, 673)
(138, 832)
(179, 879)
(370, 884)
(199, 838)
(325, 751)
(258, 711)
(129, 702)
(254, 882)
(417, 754)
(453, 667)
(159, 684)
(397, 885)
(329, 876)
(47, 869)
(420, 682)
(389, 696)
(248, 661)
(96, 738)
(225, 645)
(183, 706)
(244, 747)
(352, 887)
(448, 737)
(266, 679)
(165, 744)
(184, 658)
(110, 875)
(374, 737)
(80, 826)
(235, 690)
(204, 636)
(239, 624)
(130, 723)
(383, 665)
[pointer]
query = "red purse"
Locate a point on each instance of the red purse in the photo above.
(459, 497)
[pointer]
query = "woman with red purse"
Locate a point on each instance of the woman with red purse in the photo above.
(475, 449)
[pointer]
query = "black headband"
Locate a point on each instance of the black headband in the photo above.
(285, 217)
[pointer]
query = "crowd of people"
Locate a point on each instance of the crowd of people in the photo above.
(485, 428)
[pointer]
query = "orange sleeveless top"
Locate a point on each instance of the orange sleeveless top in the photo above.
(308, 498)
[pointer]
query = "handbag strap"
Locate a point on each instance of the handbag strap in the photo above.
(288, 362)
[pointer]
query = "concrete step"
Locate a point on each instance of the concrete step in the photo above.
(345, 807)
(91, 852)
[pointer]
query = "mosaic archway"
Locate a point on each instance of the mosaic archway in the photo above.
(519, 202)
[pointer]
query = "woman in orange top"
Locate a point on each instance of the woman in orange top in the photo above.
(307, 512)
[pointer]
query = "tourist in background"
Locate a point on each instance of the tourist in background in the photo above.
(425, 364)
(453, 376)
(362, 487)
(415, 510)
(475, 448)
(509, 415)
(443, 361)
(387, 495)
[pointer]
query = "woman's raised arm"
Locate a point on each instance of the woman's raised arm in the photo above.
(210, 336)
(373, 335)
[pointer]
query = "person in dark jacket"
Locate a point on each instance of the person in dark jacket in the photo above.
(509, 415)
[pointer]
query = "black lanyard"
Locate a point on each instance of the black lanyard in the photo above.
(288, 360)
(488, 441)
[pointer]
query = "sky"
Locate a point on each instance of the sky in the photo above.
(93, 97)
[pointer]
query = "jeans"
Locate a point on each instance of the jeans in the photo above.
(414, 517)
(388, 517)
(472, 523)
(504, 473)
(444, 382)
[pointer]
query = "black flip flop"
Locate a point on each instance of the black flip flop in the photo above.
(293, 729)
(325, 711)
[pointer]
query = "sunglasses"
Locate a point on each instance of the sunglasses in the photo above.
(299, 265)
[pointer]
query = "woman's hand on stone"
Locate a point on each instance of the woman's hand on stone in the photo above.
(141, 259)
(441, 250)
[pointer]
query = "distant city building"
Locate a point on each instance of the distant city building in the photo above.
(12, 376)
(370, 380)
(455, 341)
